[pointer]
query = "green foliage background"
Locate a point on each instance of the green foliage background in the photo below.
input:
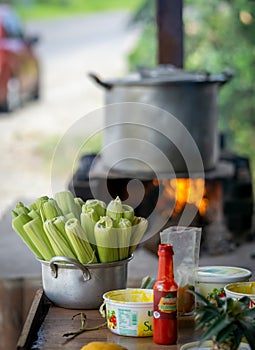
(219, 35)
(32, 9)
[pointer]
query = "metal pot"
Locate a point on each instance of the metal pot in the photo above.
(70, 284)
(173, 112)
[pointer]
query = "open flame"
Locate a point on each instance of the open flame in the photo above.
(180, 191)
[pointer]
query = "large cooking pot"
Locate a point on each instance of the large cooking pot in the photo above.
(70, 284)
(162, 119)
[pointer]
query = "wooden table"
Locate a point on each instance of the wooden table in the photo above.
(46, 324)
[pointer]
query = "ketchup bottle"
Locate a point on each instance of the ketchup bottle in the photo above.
(165, 299)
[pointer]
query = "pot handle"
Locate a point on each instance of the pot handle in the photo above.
(54, 267)
(100, 82)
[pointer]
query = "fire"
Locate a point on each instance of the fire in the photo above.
(184, 191)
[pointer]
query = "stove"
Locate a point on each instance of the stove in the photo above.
(224, 210)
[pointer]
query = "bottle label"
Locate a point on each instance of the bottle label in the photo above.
(165, 304)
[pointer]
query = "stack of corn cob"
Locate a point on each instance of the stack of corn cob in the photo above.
(90, 232)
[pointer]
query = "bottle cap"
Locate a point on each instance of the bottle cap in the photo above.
(165, 248)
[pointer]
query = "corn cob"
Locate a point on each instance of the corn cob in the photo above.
(88, 221)
(79, 201)
(106, 239)
(49, 209)
(34, 229)
(67, 204)
(139, 226)
(128, 212)
(21, 209)
(79, 241)
(38, 202)
(34, 213)
(98, 206)
(147, 282)
(124, 229)
(58, 241)
(18, 225)
(114, 209)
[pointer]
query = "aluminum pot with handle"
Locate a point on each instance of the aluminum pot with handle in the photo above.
(70, 284)
(190, 97)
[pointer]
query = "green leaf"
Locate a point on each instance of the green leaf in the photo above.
(206, 315)
(227, 332)
(249, 332)
(213, 329)
(203, 299)
(245, 300)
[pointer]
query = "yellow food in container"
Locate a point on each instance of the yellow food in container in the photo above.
(129, 312)
(241, 289)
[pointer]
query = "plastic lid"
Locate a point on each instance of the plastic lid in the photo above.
(225, 274)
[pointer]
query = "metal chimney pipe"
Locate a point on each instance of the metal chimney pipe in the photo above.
(170, 32)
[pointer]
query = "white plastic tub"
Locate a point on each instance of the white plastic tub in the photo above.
(129, 312)
(216, 277)
(241, 289)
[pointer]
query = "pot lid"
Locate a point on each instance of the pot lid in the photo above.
(167, 74)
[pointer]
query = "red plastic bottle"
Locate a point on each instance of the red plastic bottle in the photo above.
(165, 299)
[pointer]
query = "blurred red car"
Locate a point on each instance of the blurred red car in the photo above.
(19, 65)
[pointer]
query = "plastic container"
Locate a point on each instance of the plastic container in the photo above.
(208, 345)
(129, 312)
(241, 289)
(216, 277)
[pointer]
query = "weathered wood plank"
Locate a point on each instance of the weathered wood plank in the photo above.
(34, 320)
(59, 321)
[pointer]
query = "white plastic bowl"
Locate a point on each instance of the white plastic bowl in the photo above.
(217, 277)
(241, 289)
(129, 312)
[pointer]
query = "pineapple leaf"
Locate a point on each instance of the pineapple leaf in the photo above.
(228, 332)
(202, 299)
(226, 321)
(249, 332)
(206, 315)
(215, 327)
(245, 300)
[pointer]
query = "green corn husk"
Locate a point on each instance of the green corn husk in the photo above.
(60, 222)
(59, 242)
(98, 206)
(37, 204)
(79, 241)
(66, 203)
(32, 206)
(79, 201)
(21, 208)
(70, 216)
(107, 240)
(124, 229)
(49, 209)
(34, 229)
(88, 221)
(17, 224)
(128, 212)
(114, 209)
(14, 214)
(92, 213)
(139, 226)
(147, 282)
(34, 213)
